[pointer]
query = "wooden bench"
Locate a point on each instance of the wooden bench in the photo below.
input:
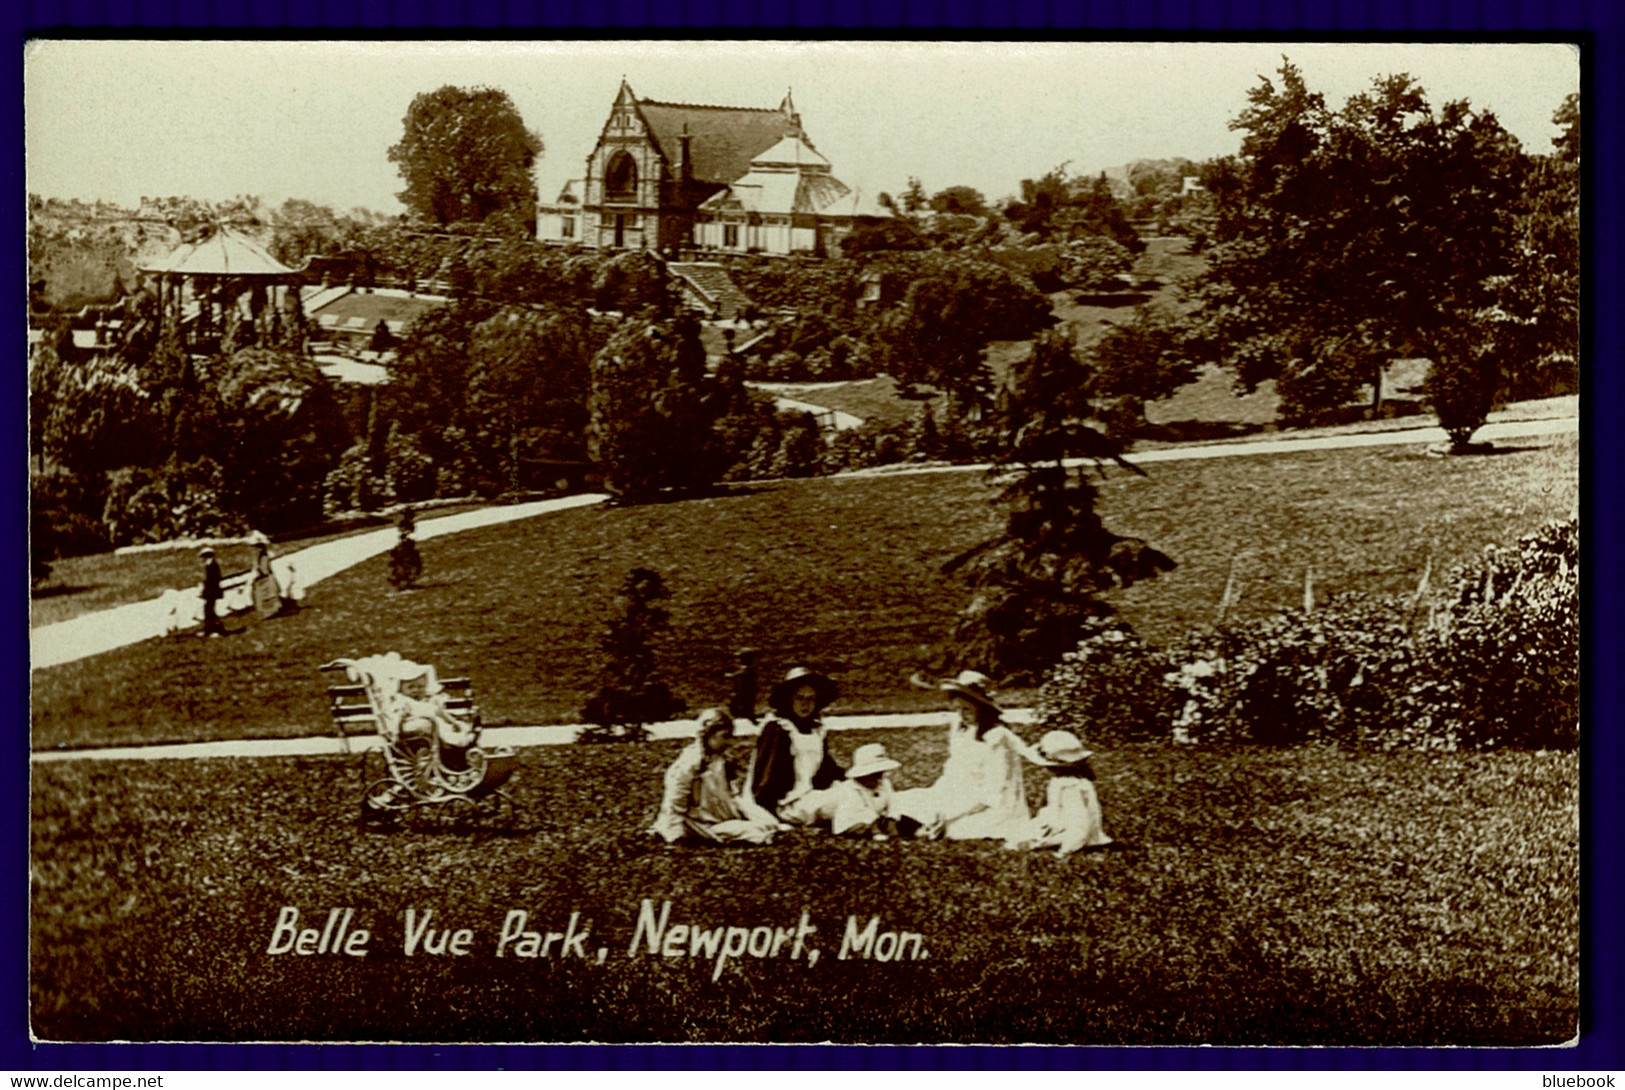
(349, 706)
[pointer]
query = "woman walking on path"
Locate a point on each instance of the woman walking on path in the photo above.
(267, 592)
(791, 759)
(981, 793)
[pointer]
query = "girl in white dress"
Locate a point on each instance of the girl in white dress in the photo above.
(1070, 818)
(981, 793)
(699, 802)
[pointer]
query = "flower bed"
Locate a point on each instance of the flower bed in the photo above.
(1490, 660)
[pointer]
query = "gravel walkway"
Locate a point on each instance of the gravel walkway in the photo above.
(108, 629)
(517, 737)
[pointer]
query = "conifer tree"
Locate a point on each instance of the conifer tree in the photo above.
(1038, 584)
(631, 693)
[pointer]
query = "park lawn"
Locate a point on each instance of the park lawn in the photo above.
(1265, 897)
(844, 573)
(85, 584)
(1213, 399)
(868, 399)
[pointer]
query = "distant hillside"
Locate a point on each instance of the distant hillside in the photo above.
(81, 253)
(1144, 175)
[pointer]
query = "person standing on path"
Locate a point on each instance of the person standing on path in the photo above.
(267, 593)
(212, 593)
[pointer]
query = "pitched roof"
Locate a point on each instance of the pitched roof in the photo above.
(222, 253)
(724, 139)
(784, 193)
(793, 152)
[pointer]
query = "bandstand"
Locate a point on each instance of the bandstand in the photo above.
(203, 284)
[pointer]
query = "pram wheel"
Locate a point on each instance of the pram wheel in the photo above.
(382, 802)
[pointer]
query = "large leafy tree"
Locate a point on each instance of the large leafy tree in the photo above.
(652, 410)
(527, 387)
(1348, 238)
(282, 432)
(949, 314)
(466, 156)
(1542, 298)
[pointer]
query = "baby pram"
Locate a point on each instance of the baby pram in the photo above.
(430, 731)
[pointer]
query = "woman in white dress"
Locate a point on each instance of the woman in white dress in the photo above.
(981, 793)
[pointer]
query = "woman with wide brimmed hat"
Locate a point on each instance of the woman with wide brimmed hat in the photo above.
(699, 802)
(266, 591)
(981, 793)
(1070, 818)
(791, 759)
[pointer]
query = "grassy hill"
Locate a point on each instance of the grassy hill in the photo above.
(842, 572)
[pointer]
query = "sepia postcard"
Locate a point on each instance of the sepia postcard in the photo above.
(864, 542)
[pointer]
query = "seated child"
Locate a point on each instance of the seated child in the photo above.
(699, 800)
(1070, 818)
(859, 805)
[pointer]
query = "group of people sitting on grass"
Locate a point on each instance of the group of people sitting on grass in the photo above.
(792, 781)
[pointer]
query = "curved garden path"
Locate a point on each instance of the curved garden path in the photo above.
(108, 629)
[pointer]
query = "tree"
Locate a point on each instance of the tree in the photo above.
(1541, 300)
(1093, 209)
(466, 156)
(631, 282)
(1037, 585)
(282, 432)
(1349, 238)
(526, 398)
(914, 199)
(952, 311)
(959, 200)
(428, 392)
(1135, 363)
(1039, 200)
(631, 693)
(652, 410)
(303, 229)
(1062, 207)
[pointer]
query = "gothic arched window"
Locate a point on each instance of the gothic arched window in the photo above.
(621, 178)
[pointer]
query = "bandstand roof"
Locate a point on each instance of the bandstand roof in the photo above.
(222, 253)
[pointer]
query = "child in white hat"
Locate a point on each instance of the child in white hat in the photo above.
(861, 804)
(1070, 818)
